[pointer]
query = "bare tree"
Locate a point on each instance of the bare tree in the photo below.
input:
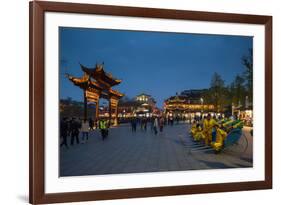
(217, 92)
(247, 61)
(238, 91)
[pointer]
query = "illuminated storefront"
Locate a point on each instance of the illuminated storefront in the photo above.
(188, 105)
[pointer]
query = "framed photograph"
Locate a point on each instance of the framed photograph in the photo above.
(138, 102)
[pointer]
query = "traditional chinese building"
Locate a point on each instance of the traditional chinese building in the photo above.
(127, 109)
(95, 84)
(142, 105)
(147, 105)
(187, 104)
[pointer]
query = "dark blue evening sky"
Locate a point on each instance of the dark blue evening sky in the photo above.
(156, 63)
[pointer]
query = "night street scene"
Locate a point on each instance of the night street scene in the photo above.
(138, 101)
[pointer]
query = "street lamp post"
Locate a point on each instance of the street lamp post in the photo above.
(202, 105)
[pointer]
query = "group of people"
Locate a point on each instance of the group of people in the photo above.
(208, 130)
(213, 131)
(142, 121)
(72, 127)
(156, 124)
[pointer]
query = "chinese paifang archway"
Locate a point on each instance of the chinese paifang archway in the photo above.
(96, 84)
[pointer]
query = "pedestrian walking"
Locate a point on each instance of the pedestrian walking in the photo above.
(96, 124)
(74, 129)
(85, 130)
(161, 124)
(171, 119)
(155, 126)
(91, 124)
(141, 123)
(131, 123)
(177, 119)
(134, 124)
(145, 124)
(152, 124)
(64, 132)
(103, 126)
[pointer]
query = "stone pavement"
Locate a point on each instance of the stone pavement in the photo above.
(127, 152)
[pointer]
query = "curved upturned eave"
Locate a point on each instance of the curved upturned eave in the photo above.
(97, 73)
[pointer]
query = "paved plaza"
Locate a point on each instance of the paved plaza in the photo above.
(171, 150)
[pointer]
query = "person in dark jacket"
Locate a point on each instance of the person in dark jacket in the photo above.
(74, 129)
(91, 124)
(64, 132)
(161, 124)
(144, 123)
(155, 125)
(134, 124)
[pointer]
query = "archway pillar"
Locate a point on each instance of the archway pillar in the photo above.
(93, 96)
(115, 122)
(97, 110)
(85, 114)
(113, 104)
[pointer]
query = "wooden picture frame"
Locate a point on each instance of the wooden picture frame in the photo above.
(37, 193)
